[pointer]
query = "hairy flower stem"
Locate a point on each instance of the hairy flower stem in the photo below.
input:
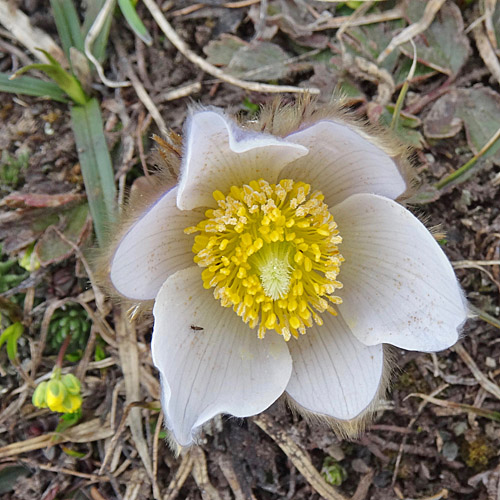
(62, 350)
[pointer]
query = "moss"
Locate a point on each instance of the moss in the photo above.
(477, 453)
(412, 380)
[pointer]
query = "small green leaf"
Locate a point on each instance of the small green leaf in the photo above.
(10, 336)
(67, 420)
(31, 86)
(10, 475)
(262, 61)
(64, 80)
(333, 472)
(72, 453)
(220, 52)
(134, 21)
(50, 248)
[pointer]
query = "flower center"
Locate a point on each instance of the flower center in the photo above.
(270, 252)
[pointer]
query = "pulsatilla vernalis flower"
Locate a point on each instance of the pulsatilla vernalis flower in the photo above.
(280, 263)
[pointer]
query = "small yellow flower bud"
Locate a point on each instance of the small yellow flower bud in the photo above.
(71, 403)
(71, 383)
(56, 392)
(39, 395)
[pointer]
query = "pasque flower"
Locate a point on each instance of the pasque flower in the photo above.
(281, 264)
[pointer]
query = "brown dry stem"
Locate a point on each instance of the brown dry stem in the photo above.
(298, 457)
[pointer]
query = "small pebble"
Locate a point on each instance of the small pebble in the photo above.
(490, 362)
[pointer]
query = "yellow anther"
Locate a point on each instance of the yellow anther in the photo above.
(271, 321)
(273, 278)
(308, 265)
(246, 239)
(274, 236)
(298, 258)
(218, 196)
(295, 322)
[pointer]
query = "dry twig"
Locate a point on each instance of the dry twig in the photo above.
(19, 25)
(420, 409)
(92, 34)
(337, 22)
(200, 474)
(180, 477)
(431, 9)
(484, 381)
(298, 457)
(182, 47)
(94, 430)
(484, 45)
(139, 88)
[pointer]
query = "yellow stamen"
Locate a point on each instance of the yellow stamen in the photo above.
(270, 252)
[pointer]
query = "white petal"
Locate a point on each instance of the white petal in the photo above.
(154, 248)
(223, 368)
(399, 287)
(218, 154)
(341, 163)
(333, 373)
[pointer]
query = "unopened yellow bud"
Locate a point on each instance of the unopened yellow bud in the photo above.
(71, 383)
(55, 394)
(39, 395)
(71, 403)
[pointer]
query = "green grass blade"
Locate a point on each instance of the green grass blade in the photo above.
(96, 166)
(31, 86)
(68, 25)
(101, 42)
(64, 80)
(134, 21)
(459, 173)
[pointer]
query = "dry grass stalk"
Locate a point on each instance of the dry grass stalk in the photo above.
(92, 34)
(94, 430)
(298, 457)
(182, 47)
(483, 380)
(197, 6)
(337, 22)
(227, 469)
(485, 46)
(181, 474)
(431, 9)
(19, 25)
(130, 365)
(139, 88)
(200, 474)
(420, 409)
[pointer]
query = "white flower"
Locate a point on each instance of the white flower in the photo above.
(282, 264)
